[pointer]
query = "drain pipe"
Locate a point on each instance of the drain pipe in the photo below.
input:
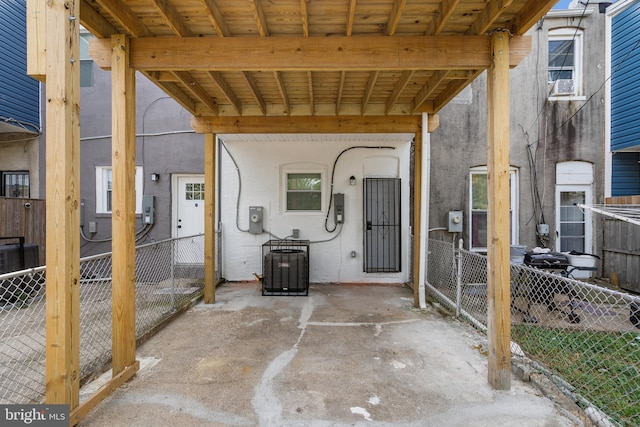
(424, 209)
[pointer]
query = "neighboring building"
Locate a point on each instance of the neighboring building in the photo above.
(623, 99)
(19, 108)
(557, 139)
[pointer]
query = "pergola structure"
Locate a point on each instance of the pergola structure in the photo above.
(258, 66)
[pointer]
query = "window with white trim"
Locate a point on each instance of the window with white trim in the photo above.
(565, 62)
(479, 205)
(303, 191)
(104, 189)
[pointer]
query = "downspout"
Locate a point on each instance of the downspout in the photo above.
(424, 209)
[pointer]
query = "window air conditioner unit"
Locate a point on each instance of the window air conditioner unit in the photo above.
(563, 87)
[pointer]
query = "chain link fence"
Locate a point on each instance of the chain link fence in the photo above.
(169, 278)
(584, 337)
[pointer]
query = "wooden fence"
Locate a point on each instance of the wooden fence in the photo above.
(621, 249)
(26, 218)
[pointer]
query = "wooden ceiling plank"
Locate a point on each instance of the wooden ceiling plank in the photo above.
(351, 17)
(394, 16)
(216, 18)
(432, 84)
(488, 16)
(454, 88)
(283, 91)
(94, 22)
(255, 92)
(311, 53)
(198, 91)
(371, 84)
(258, 13)
(398, 89)
(311, 96)
(174, 91)
(172, 18)
(226, 89)
(122, 14)
(306, 124)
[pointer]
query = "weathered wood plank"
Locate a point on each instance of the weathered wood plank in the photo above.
(498, 241)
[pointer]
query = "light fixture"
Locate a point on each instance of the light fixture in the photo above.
(352, 180)
(155, 177)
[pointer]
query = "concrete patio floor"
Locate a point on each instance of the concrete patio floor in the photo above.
(346, 355)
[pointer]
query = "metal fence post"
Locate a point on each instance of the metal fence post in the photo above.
(173, 274)
(458, 258)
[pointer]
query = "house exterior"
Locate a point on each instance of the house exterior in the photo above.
(623, 99)
(557, 139)
(19, 108)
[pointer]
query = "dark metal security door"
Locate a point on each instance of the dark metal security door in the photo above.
(382, 225)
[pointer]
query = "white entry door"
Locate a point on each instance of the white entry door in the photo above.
(188, 218)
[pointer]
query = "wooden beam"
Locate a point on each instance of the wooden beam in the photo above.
(277, 77)
(397, 90)
(76, 415)
(445, 11)
(123, 215)
(210, 218)
(306, 124)
(343, 75)
(62, 344)
(36, 40)
(417, 202)
(312, 101)
(453, 89)
(351, 16)
(173, 90)
(304, 13)
(498, 229)
(310, 53)
(433, 83)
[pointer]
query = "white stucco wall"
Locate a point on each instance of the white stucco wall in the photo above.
(261, 166)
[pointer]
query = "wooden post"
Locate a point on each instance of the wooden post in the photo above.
(209, 218)
(417, 201)
(498, 242)
(36, 39)
(123, 206)
(63, 193)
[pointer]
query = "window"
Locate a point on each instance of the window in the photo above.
(574, 181)
(565, 62)
(479, 204)
(104, 189)
(86, 63)
(303, 191)
(15, 184)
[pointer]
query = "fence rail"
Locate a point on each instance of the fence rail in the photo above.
(585, 337)
(169, 278)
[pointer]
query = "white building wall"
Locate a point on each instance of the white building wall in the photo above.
(260, 166)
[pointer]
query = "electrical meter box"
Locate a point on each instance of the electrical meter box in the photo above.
(256, 214)
(455, 222)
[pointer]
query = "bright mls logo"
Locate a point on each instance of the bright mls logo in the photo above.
(34, 415)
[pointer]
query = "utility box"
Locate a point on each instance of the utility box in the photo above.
(455, 222)
(256, 216)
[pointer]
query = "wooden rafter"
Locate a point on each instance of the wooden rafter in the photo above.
(198, 91)
(261, 22)
(351, 17)
(305, 17)
(343, 76)
(367, 93)
(283, 91)
(123, 14)
(453, 88)
(94, 22)
(215, 16)
(174, 91)
(445, 10)
(432, 84)
(397, 90)
(488, 16)
(172, 18)
(255, 92)
(394, 16)
(226, 89)
(531, 13)
(311, 95)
